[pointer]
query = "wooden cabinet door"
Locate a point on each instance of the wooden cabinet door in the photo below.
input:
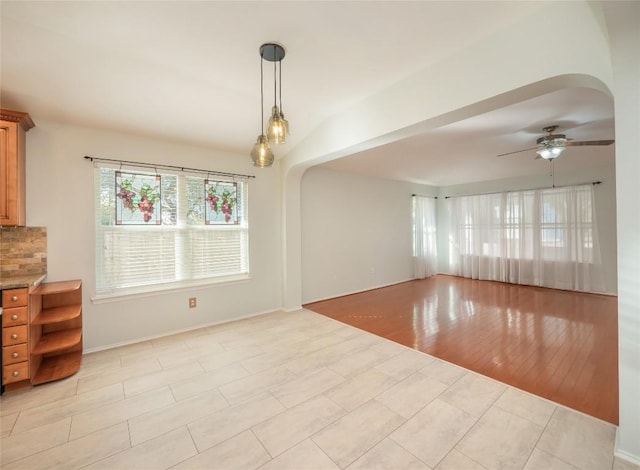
(12, 175)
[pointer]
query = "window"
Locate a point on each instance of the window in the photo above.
(180, 250)
(511, 224)
(541, 237)
(425, 249)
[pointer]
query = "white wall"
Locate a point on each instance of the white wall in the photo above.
(624, 21)
(507, 67)
(356, 232)
(60, 197)
(605, 195)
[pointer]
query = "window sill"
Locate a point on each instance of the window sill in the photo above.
(159, 289)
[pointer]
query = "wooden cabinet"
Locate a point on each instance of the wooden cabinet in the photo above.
(56, 330)
(13, 126)
(15, 335)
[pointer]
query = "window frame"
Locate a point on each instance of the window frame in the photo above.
(183, 232)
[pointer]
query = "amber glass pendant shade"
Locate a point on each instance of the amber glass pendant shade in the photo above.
(261, 153)
(276, 128)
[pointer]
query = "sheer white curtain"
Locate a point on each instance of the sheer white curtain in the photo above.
(425, 249)
(538, 237)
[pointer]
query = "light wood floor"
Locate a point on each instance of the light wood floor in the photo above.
(559, 345)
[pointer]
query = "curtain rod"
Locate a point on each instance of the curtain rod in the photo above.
(168, 167)
(593, 183)
(421, 195)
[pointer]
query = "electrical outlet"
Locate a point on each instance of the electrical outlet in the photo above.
(192, 302)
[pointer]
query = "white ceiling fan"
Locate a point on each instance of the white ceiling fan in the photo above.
(552, 145)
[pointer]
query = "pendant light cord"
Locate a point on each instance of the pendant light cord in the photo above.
(261, 97)
(280, 83)
(274, 77)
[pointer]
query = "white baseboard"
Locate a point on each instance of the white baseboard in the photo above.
(622, 455)
(174, 332)
(359, 291)
(292, 309)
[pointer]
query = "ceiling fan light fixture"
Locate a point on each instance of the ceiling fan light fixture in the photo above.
(551, 146)
(550, 153)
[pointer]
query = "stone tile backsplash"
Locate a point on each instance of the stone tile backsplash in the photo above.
(23, 251)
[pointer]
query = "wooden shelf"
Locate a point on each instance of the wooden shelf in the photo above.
(48, 288)
(55, 330)
(57, 367)
(57, 314)
(58, 340)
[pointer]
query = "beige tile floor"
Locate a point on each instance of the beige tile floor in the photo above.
(290, 391)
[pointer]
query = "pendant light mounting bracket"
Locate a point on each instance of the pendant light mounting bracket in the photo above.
(271, 51)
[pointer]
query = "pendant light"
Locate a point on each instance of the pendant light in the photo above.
(261, 153)
(277, 127)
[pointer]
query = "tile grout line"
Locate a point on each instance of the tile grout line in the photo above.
(261, 445)
(475, 422)
(346, 412)
(493, 405)
(556, 410)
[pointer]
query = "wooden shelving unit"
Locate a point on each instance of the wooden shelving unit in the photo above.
(56, 330)
(57, 367)
(57, 314)
(57, 340)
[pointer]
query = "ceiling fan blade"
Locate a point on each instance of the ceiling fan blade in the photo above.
(517, 151)
(589, 142)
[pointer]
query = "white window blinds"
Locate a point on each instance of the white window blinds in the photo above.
(180, 251)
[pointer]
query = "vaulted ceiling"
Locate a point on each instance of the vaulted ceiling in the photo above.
(190, 71)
